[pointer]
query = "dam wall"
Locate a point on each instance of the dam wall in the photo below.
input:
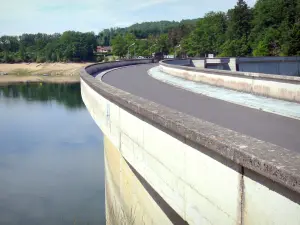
(165, 167)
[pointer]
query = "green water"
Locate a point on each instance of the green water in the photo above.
(51, 157)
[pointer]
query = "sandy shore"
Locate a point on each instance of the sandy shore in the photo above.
(37, 72)
(12, 79)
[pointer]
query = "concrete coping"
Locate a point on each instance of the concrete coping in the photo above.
(250, 75)
(271, 161)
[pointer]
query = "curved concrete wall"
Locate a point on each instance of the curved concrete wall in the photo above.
(165, 167)
(273, 65)
(97, 68)
(275, 86)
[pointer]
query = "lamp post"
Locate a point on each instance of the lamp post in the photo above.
(151, 48)
(129, 47)
(178, 46)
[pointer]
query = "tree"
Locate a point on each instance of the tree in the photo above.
(239, 21)
(142, 48)
(238, 30)
(163, 43)
(279, 17)
(209, 35)
(119, 46)
(237, 48)
(270, 28)
(269, 45)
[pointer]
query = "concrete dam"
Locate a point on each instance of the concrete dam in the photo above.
(188, 145)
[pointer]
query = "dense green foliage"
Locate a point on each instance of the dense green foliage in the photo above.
(148, 37)
(270, 28)
(141, 30)
(276, 27)
(77, 46)
(69, 46)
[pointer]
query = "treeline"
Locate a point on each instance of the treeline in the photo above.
(142, 30)
(69, 46)
(270, 28)
(164, 41)
(76, 46)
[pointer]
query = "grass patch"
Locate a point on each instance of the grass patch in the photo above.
(21, 72)
(117, 215)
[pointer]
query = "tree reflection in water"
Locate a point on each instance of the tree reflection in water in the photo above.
(66, 94)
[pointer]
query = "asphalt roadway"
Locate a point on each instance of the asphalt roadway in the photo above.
(276, 129)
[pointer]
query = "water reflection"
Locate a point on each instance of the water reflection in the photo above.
(51, 157)
(66, 94)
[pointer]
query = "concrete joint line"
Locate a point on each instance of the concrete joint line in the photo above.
(242, 196)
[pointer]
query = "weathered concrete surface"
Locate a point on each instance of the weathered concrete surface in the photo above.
(275, 86)
(268, 127)
(263, 205)
(172, 178)
(126, 200)
(198, 168)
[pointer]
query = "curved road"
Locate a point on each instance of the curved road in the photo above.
(279, 130)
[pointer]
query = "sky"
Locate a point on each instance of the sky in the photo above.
(57, 16)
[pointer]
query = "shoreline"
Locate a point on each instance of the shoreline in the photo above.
(19, 73)
(15, 79)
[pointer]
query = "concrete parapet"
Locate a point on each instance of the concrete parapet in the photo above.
(179, 62)
(275, 65)
(275, 86)
(233, 65)
(195, 172)
(288, 66)
(199, 63)
(97, 68)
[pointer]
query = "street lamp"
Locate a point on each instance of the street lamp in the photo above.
(150, 49)
(178, 46)
(129, 47)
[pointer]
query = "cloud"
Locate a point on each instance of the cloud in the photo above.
(46, 16)
(150, 3)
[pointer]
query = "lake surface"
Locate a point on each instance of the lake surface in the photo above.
(51, 157)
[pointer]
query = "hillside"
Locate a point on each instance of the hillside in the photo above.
(143, 30)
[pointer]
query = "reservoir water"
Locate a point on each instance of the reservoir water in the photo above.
(51, 157)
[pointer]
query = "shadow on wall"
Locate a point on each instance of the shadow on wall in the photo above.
(218, 67)
(180, 62)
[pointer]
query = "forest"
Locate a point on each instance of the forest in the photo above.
(270, 28)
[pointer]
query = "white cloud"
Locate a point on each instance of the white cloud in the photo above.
(141, 5)
(32, 16)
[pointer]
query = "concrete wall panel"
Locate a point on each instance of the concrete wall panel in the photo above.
(264, 206)
(216, 183)
(250, 83)
(132, 127)
(127, 201)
